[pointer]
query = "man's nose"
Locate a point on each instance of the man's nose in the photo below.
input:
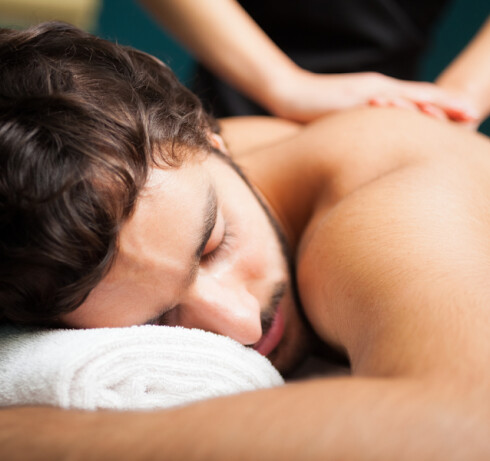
(223, 306)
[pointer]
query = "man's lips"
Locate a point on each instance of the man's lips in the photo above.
(269, 341)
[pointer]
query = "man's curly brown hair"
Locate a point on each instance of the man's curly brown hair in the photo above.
(81, 122)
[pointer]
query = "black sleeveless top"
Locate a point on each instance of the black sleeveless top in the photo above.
(333, 36)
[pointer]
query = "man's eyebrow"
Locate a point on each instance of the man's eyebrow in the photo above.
(210, 217)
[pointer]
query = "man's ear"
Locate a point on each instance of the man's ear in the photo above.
(217, 142)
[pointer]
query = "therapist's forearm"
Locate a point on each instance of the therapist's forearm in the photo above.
(469, 73)
(226, 39)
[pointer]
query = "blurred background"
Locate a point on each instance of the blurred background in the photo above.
(125, 22)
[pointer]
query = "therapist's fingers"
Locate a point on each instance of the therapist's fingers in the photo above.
(419, 96)
(432, 110)
(397, 102)
(432, 100)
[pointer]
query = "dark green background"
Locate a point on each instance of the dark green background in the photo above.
(127, 23)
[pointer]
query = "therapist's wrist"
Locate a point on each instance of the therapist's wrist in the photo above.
(280, 92)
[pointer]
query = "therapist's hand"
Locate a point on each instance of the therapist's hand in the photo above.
(303, 96)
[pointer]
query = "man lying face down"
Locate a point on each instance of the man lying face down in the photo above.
(118, 210)
(120, 206)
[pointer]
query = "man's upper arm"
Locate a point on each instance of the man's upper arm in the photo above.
(399, 267)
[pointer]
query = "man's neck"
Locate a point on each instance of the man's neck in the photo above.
(291, 182)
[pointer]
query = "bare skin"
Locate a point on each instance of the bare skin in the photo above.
(387, 214)
(435, 180)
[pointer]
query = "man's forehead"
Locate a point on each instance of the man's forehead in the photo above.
(168, 214)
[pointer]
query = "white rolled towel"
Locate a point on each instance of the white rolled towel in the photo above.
(143, 367)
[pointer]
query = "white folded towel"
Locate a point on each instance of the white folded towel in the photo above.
(145, 367)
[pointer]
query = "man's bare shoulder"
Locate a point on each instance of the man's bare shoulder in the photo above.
(356, 135)
(402, 253)
(382, 130)
(355, 147)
